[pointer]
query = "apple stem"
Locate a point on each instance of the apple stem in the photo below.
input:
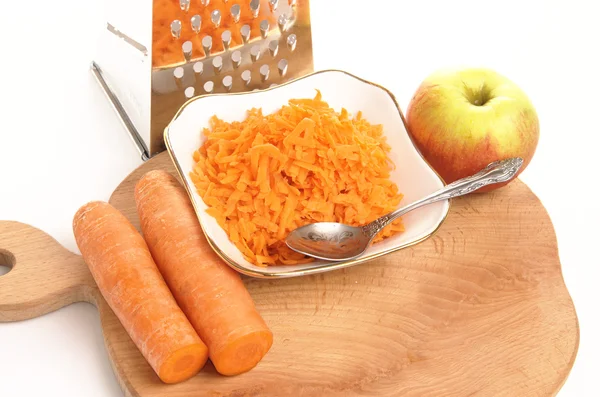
(477, 96)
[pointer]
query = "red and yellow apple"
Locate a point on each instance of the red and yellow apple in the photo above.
(463, 119)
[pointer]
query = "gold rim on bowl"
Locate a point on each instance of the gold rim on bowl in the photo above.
(317, 269)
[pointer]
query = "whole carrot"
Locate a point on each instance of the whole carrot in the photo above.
(211, 294)
(129, 280)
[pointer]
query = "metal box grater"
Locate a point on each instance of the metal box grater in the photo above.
(150, 60)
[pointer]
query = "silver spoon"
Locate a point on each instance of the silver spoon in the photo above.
(338, 242)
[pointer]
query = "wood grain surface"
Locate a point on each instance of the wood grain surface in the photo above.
(478, 309)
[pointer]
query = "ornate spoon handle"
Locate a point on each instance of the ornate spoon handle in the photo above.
(496, 172)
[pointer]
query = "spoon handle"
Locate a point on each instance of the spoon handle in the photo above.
(496, 172)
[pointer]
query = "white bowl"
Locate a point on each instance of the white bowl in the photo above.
(413, 175)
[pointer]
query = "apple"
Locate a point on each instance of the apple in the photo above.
(463, 119)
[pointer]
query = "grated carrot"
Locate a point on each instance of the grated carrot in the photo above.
(269, 174)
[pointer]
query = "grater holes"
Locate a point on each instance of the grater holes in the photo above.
(226, 39)
(217, 64)
(205, 2)
(207, 45)
(282, 22)
(264, 72)
(264, 28)
(198, 69)
(282, 67)
(196, 22)
(291, 42)
(184, 5)
(209, 86)
(235, 12)
(187, 50)
(255, 53)
(236, 59)
(176, 28)
(245, 32)
(227, 82)
(255, 7)
(189, 92)
(246, 77)
(215, 17)
(258, 45)
(178, 72)
(178, 75)
(274, 47)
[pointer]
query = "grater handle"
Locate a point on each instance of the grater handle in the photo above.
(121, 113)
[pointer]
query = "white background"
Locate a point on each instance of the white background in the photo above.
(61, 145)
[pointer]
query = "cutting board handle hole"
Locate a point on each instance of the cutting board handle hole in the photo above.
(7, 261)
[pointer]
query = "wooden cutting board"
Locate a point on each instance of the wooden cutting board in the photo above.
(479, 309)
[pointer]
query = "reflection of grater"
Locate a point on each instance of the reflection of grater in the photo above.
(194, 47)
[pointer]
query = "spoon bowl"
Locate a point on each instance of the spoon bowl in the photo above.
(329, 241)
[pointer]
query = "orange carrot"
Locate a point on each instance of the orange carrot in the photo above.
(129, 280)
(211, 294)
